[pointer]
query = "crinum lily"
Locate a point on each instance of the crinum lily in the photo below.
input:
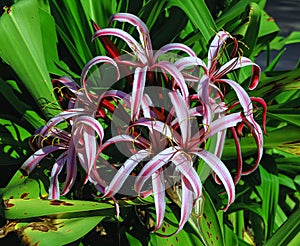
(145, 58)
(181, 149)
(80, 142)
(214, 100)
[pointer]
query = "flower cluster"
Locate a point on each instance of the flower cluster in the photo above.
(156, 115)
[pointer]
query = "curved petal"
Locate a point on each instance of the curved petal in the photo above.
(223, 123)
(214, 49)
(35, 158)
(204, 97)
(96, 60)
(126, 98)
(158, 184)
(138, 90)
(190, 61)
(92, 123)
(222, 172)
(69, 83)
(187, 199)
(152, 166)
(183, 116)
(67, 114)
(237, 63)
(131, 42)
(139, 24)
(262, 102)
(185, 166)
(71, 165)
(246, 103)
(258, 136)
(239, 156)
(54, 192)
(242, 95)
(175, 73)
(123, 138)
(174, 46)
(124, 171)
(161, 127)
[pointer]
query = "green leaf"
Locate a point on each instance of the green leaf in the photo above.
(22, 187)
(204, 219)
(288, 231)
(230, 237)
(132, 240)
(285, 115)
(287, 181)
(272, 85)
(13, 141)
(56, 231)
(282, 137)
(21, 47)
(74, 29)
(99, 11)
(232, 12)
(30, 208)
(209, 222)
(269, 193)
(186, 236)
(275, 61)
(199, 15)
(250, 28)
(9, 91)
(151, 12)
(268, 30)
(279, 42)
(54, 64)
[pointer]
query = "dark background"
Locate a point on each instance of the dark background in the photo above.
(286, 14)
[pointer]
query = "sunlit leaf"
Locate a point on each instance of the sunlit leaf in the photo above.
(20, 26)
(56, 231)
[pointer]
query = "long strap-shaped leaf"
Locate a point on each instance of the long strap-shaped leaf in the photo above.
(199, 15)
(22, 48)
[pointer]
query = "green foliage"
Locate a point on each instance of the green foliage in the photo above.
(41, 40)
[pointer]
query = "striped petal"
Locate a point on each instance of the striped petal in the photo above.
(158, 184)
(185, 166)
(54, 192)
(224, 123)
(185, 62)
(92, 123)
(139, 24)
(257, 133)
(204, 97)
(187, 201)
(152, 166)
(221, 171)
(172, 47)
(137, 91)
(124, 172)
(63, 116)
(123, 138)
(96, 60)
(131, 42)
(161, 127)
(71, 169)
(183, 117)
(69, 83)
(214, 49)
(35, 158)
(237, 63)
(175, 73)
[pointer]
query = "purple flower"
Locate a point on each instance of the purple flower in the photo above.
(181, 149)
(146, 60)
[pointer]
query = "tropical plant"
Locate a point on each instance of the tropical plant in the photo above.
(125, 140)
